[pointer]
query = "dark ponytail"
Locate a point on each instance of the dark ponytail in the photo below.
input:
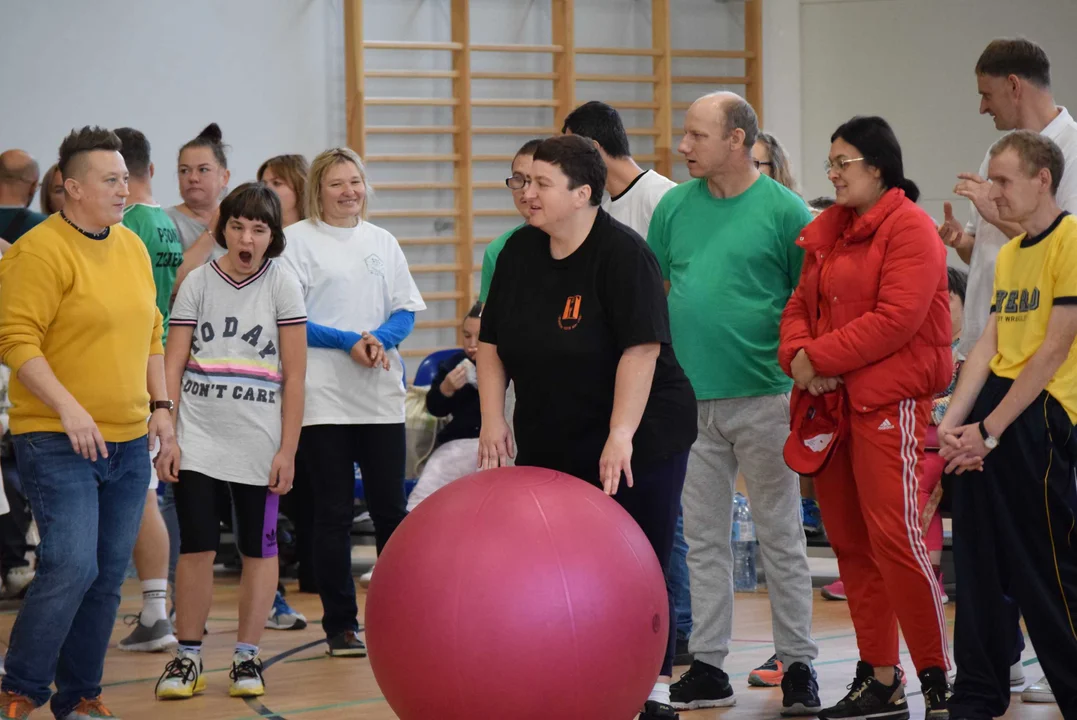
(873, 137)
(211, 137)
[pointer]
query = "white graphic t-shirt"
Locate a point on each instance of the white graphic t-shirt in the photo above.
(353, 279)
(230, 404)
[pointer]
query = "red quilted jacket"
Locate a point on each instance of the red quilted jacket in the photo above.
(872, 305)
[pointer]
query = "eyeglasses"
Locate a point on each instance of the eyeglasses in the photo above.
(840, 164)
(517, 182)
(761, 163)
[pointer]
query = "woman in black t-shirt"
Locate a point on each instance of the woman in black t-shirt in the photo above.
(577, 317)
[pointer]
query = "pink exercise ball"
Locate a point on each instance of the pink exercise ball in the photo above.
(517, 593)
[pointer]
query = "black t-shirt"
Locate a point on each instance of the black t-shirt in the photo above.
(463, 405)
(560, 327)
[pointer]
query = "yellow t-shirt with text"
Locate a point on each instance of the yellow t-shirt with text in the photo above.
(1032, 275)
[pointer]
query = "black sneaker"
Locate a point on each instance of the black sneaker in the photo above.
(653, 710)
(800, 691)
(869, 699)
(682, 656)
(937, 693)
(346, 644)
(703, 686)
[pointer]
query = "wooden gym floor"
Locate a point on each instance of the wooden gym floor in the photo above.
(302, 682)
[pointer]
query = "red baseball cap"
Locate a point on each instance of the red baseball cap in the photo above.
(817, 424)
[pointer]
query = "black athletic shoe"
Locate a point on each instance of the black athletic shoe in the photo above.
(937, 693)
(800, 691)
(346, 644)
(682, 656)
(653, 710)
(703, 686)
(869, 699)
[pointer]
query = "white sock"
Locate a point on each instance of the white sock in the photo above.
(154, 593)
(660, 694)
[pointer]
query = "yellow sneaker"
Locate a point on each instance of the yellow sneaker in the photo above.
(182, 677)
(246, 674)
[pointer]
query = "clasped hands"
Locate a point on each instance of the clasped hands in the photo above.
(806, 379)
(962, 447)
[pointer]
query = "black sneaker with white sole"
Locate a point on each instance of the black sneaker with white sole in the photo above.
(800, 691)
(703, 686)
(346, 644)
(936, 687)
(869, 699)
(653, 710)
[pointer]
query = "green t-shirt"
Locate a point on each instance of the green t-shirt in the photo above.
(489, 261)
(732, 264)
(159, 233)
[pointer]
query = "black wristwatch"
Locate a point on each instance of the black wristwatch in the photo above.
(990, 441)
(162, 405)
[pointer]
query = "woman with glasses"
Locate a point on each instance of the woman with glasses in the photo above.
(516, 182)
(586, 291)
(869, 328)
(771, 159)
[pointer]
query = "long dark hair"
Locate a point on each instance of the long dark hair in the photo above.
(875, 140)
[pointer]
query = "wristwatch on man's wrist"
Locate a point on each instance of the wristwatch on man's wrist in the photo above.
(989, 440)
(162, 405)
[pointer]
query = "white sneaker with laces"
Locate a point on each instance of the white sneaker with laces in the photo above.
(246, 675)
(1038, 692)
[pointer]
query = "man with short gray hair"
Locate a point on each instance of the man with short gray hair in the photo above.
(726, 243)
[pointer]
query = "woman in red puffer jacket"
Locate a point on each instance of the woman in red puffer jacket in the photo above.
(870, 321)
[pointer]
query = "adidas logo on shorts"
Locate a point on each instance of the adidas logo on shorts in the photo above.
(886, 425)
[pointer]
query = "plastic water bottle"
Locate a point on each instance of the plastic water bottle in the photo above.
(744, 546)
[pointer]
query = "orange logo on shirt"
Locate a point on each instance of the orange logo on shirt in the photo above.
(570, 318)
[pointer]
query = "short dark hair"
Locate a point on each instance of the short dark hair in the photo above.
(475, 311)
(1037, 152)
(601, 123)
(253, 201)
(740, 115)
(528, 148)
(957, 281)
(80, 142)
(1015, 56)
(135, 151)
(873, 138)
(210, 137)
(821, 203)
(578, 160)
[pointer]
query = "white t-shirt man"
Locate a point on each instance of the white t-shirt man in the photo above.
(353, 279)
(230, 403)
(636, 203)
(979, 293)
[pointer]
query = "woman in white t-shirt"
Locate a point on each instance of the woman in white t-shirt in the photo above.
(361, 300)
(236, 368)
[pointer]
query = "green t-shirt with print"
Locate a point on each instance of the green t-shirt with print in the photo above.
(732, 264)
(159, 233)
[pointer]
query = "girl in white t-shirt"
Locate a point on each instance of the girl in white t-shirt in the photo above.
(235, 364)
(362, 301)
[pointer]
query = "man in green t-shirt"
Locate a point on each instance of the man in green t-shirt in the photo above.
(153, 559)
(521, 176)
(726, 244)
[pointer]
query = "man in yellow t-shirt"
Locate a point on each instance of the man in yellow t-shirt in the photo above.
(80, 330)
(1009, 435)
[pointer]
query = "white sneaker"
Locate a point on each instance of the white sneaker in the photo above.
(364, 579)
(1017, 674)
(1038, 692)
(246, 674)
(182, 677)
(17, 581)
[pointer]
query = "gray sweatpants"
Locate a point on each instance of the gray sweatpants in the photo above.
(749, 433)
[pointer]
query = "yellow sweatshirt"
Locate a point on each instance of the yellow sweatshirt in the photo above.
(90, 308)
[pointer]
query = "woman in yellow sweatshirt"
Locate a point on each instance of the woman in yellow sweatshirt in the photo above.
(80, 330)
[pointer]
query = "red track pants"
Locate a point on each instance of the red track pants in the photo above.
(868, 498)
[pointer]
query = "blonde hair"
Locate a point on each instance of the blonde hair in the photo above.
(46, 190)
(318, 169)
(293, 170)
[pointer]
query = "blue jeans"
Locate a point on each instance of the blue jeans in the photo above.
(88, 515)
(678, 581)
